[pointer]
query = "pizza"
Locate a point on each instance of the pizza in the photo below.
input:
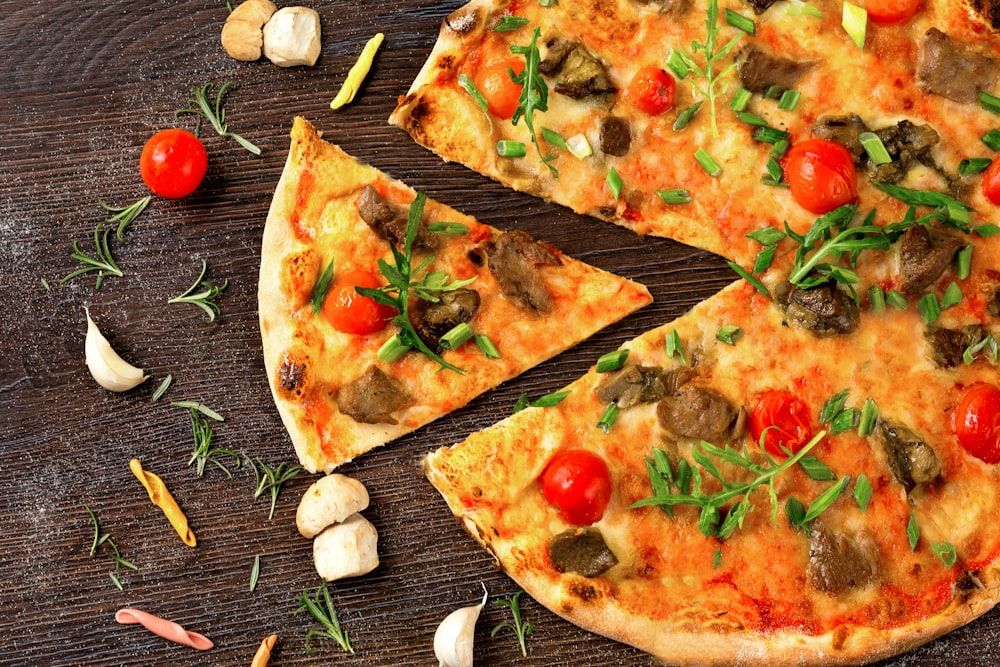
(803, 468)
(382, 310)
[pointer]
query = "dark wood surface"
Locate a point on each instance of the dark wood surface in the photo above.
(82, 85)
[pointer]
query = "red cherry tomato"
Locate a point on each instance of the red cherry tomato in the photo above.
(173, 162)
(579, 484)
(493, 80)
(652, 90)
(991, 182)
(976, 421)
(784, 419)
(352, 313)
(821, 175)
(892, 11)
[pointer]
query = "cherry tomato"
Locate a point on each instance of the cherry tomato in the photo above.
(352, 313)
(892, 11)
(784, 418)
(821, 175)
(493, 80)
(652, 90)
(173, 162)
(991, 182)
(976, 421)
(579, 484)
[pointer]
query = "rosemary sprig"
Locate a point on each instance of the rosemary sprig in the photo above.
(125, 214)
(104, 263)
(684, 486)
(205, 298)
(203, 452)
(116, 554)
(534, 94)
(688, 64)
(325, 614)
(216, 115)
(403, 279)
(519, 626)
(271, 479)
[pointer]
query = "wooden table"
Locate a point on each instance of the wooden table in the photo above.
(82, 86)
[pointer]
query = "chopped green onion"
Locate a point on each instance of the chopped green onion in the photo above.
(614, 182)
(896, 300)
(612, 361)
(833, 406)
(321, 287)
(855, 22)
(770, 135)
(774, 92)
(779, 149)
(707, 162)
(579, 147)
(875, 148)
(844, 421)
(992, 139)
(913, 531)
(764, 258)
(675, 61)
(676, 196)
(862, 492)
(741, 99)
(510, 23)
(741, 22)
(751, 118)
(608, 418)
(508, 148)
(774, 169)
(551, 400)
(729, 334)
(876, 297)
(554, 138)
(929, 308)
(674, 346)
(989, 102)
(869, 413)
(952, 296)
(986, 230)
(946, 552)
(448, 228)
(684, 117)
(767, 235)
(486, 346)
(467, 84)
(392, 349)
(799, 8)
(989, 344)
(456, 336)
(743, 273)
(964, 257)
(973, 165)
(789, 100)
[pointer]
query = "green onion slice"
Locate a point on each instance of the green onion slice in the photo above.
(896, 300)
(964, 258)
(869, 413)
(486, 346)
(929, 308)
(875, 148)
(729, 334)
(989, 102)
(855, 22)
(608, 418)
(764, 258)
(952, 296)
(973, 165)
(579, 147)
(741, 22)
(789, 100)
(684, 117)
(862, 492)
(876, 297)
(509, 148)
(510, 23)
(456, 336)
(675, 196)
(448, 228)
(321, 287)
(612, 361)
(551, 400)
(743, 273)
(614, 182)
(741, 99)
(677, 65)
(467, 84)
(674, 346)
(707, 162)
(392, 349)
(554, 138)
(992, 139)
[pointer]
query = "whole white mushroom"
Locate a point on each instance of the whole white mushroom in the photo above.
(347, 549)
(291, 37)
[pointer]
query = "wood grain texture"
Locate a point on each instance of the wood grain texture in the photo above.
(82, 85)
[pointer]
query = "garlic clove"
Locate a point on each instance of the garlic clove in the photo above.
(110, 370)
(454, 637)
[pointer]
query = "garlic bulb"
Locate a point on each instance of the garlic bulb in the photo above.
(111, 371)
(454, 637)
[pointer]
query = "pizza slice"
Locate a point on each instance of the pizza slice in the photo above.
(737, 487)
(382, 310)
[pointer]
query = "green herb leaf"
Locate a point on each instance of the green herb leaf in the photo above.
(216, 115)
(674, 346)
(686, 116)
(205, 299)
(946, 552)
(729, 334)
(254, 573)
(974, 165)
(546, 401)
(470, 87)
(764, 258)
(741, 22)
(707, 162)
(521, 628)
(508, 23)
(104, 263)
(509, 148)
(614, 183)
(816, 469)
(676, 196)
(827, 498)
(124, 215)
(929, 308)
(767, 236)
(609, 417)
(869, 413)
(321, 608)
(612, 361)
(913, 531)
(162, 388)
(534, 94)
(743, 273)
(833, 406)
(203, 452)
(862, 492)
(271, 479)
(952, 296)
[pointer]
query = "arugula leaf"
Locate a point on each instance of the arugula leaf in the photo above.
(534, 94)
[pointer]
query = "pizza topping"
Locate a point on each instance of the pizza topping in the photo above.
(578, 482)
(923, 258)
(699, 413)
(820, 175)
(892, 11)
(759, 70)
(389, 222)
(947, 346)
(839, 561)
(826, 310)
(352, 313)
(911, 461)
(493, 81)
(632, 385)
(581, 550)
(976, 421)
(433, 319)
(652, 90)
(760, 6)
(616, 135)
(991, 182)
(906, 144)
(952, 69)
(781, 422)
(514, 258)
(373, 397)
(577, 71)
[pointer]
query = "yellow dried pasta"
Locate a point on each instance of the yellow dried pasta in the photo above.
(263, 655)
(161, 497)
(357, 75)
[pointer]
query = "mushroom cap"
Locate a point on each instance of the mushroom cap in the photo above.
(330, 500)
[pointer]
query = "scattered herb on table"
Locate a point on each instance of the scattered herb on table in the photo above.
(216, 115)
(272, 479)
(204, 299)
(203, 451)
(254, 573)
(321, 608)
(124, 215)
(104, 263)
(518, 626)
(116, 554)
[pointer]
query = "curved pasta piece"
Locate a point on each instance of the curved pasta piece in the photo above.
(164, 628)
(161, 497)
(263, 654)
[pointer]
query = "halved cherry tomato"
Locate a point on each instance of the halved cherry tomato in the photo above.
(351, 313)
(991, 182)
(173, 162)
(494, 81)
(579, 484)
(892, 11)
(652, 90)
(784, 420)
(976, 421)
(821, 175)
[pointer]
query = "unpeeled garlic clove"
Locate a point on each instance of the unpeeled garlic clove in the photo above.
(453, 638)
(110, 370)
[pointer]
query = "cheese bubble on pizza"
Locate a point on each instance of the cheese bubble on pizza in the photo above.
(382, 310)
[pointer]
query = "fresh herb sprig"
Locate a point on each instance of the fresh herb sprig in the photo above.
(404, 279)
(272, 479)
(124, 215)
(215, 114)
(521, 628)
(101, 539)
(684, 486)
(321, 608)
(836, 238)
(203, 452)
(205, 299)
(104, 263)
(684, 61)
(534, 94)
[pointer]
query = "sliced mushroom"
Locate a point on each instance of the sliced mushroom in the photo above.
(373, 397)
(911, 461)
(389, 222)
(433, 319)
(923, 257)
(839, 561)
(952, 69)
(907, 144)
(577, 71)
(615, 135)
(330, 499)
(947, 346)
(845, 130)
(581, 550)
(699, 413)
(514, 258)
(825, 310)
(758, 70)
(632, 385)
